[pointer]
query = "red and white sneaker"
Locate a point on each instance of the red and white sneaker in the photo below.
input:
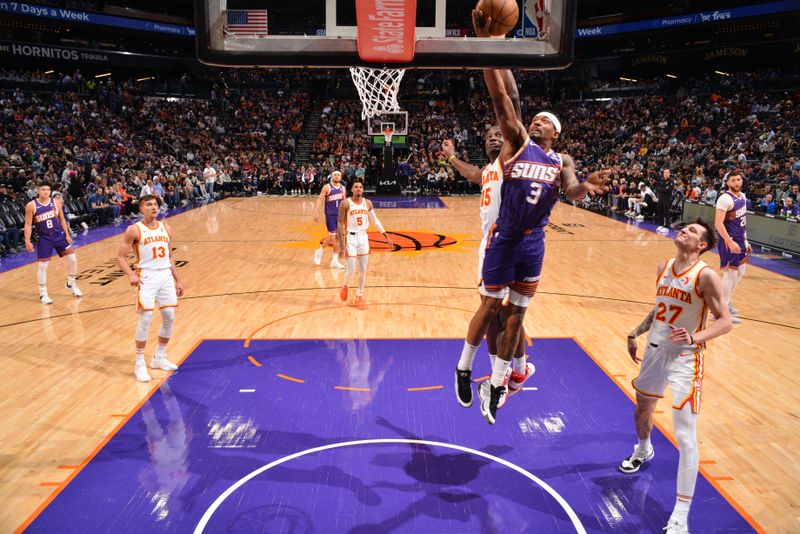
(517, 381)
(343, 293)
(360, 303)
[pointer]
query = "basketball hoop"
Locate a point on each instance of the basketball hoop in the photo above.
(387, 135)
(377, 89)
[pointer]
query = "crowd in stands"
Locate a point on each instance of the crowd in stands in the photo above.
(106, 143)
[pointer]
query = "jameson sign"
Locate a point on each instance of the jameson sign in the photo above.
(81, 55)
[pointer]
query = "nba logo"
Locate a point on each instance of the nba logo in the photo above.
(533, 19)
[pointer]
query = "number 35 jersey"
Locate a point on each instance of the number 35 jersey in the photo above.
(491, 185)
(531, 184)
(678, 304)
(152, 247)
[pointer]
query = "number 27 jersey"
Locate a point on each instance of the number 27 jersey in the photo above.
(152, 248)
(531, 183)
(678, 304)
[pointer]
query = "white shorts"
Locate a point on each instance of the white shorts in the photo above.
(682, 369)
(357, 244)
(156, 286)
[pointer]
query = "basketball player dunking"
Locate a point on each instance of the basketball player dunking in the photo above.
(490, 179)
(533, 174)
(51, 226)
(734, 249)
(156, 281)
(332, 195)
(354, 215)
(686, 289)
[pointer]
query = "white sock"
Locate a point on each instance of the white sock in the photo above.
(351, 268)
(644, 445)
(519, 365)
(362, 274)
(492, 358)
(467, 357)
(72, 270)
(729, 278)
(139, 356)
(41, 276)
(681, 511)
(161, 351)
(499, 370)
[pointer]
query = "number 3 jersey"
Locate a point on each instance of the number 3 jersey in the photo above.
(531, 183)
(678, 304)
(152, 247)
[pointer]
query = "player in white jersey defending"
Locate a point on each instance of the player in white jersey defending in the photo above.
(686, 289)
(156, 281)
(354, 215)
(490, 178)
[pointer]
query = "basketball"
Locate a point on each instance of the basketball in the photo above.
(504, 15)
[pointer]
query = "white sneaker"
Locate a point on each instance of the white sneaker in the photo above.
(162, 363)
(44, 298)
(336, 264)
(676, 527)
(516, 381)
(735, 319)
(639, 217)
(632, 463)
(734, 311)
(140, 370)
(74, 289)
(318, 256)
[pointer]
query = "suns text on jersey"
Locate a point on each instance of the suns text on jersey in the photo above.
(530, 170)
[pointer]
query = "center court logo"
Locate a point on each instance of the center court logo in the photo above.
(403, 240)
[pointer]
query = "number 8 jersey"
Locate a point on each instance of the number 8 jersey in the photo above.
(678, 304)
(152, 248)
(531, 183)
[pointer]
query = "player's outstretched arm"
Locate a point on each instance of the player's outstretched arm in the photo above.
(128, 239)
(29, 211)
(514, 132)
(513, 91)
(467, 170)
(596, 184)
(710, 287)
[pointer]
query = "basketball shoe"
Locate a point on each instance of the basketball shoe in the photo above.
(140, 370)
(318, 255)
(676, 527)
(632, 463)
(343, 293)
(74, 289)
(162, 363)
(517, 381)
(492, 398)
(44, 298)
(336, 264)
(464, 387)
(360, 303)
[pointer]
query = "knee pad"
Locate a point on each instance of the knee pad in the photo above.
(143, 324)
(167, 319)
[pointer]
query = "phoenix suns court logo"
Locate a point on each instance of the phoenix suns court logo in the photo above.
(408, 241)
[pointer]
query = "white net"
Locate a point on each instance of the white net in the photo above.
(377, 89)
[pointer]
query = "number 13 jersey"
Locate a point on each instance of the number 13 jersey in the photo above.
(152, 247)
(678, 304)
(531, 183)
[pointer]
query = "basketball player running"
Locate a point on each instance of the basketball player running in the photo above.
(734, 249)
(532, 175)
(332, 195)
(51, 226)
(354, 215)
(156, 281)
(686, 288)
(483, 323)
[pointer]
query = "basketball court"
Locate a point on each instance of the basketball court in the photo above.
(292, 412)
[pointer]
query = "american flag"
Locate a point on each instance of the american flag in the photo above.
(247, 22)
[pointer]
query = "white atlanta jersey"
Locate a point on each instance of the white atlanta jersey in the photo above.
(357, 215)
(152, 247)
(491, 183)
(678, 304)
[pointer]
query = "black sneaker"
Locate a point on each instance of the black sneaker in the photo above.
(464, 388)
(491, 396)
(632, 463)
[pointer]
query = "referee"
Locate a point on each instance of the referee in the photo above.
(664, 193)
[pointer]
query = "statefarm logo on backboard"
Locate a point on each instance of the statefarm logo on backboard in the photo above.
(386, 30)
(407, 241)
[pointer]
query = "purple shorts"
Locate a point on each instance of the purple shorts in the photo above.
(332, 223)
(49, 243)
(729, 260)
(514, 262)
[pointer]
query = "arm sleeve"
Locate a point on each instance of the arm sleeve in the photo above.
(725, 202)
(375, 220)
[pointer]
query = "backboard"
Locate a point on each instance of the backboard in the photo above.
(322, 33)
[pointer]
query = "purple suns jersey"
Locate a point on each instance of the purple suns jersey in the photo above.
(531, 183)
(46, 219)
(735, 215)
(332, 201)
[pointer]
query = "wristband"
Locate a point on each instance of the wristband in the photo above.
(631, 337)
(451, 158)
(691, 340)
